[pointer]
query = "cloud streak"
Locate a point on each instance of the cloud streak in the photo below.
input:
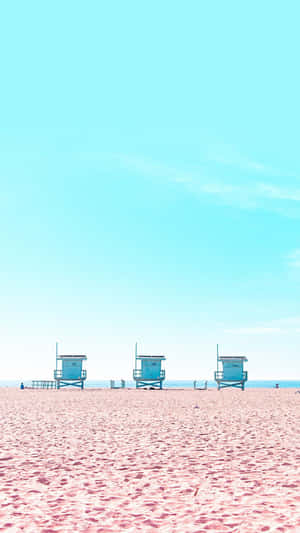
(227, 155)
(242, 192)
(256, 330)
(287, 325)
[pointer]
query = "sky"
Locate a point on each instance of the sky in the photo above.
(150, 185)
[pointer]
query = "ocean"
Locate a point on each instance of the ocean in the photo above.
(175, 384)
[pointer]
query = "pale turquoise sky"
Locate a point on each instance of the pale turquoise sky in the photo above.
(150, 191)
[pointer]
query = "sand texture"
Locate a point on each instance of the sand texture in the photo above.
(170, 461)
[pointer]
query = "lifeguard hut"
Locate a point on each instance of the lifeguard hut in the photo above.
(69, 371)
(148, 371)
(232, 373)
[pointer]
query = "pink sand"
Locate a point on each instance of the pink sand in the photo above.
(127, 461)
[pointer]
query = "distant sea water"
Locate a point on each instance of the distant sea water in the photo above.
(176, 384)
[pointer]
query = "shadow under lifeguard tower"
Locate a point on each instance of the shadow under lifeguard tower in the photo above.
(148, 371)
(69, 371)
(232, 373)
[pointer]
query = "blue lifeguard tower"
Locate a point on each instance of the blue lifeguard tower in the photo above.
(69, 371)
(148, 371)
(232, 373)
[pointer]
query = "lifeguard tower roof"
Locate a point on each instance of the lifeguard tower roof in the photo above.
(233, 357)
(161, 357)
(70, 356)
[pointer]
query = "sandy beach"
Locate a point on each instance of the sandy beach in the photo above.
(172, 461)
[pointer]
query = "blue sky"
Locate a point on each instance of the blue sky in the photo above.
(150, 190)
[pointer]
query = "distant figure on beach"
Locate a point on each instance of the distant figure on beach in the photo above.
(22, 386)
(277, 386)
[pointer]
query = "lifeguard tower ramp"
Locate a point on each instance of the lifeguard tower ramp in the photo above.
(232, 373)
(148, 371)
(114, 385)
(69, 371)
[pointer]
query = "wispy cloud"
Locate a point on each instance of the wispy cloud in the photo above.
(219, 188)
(225, 154)
(285, 325)
(279, 193)
(256, 330)
(290, 322)
(151, 168)
(254, 195)
(242, 192)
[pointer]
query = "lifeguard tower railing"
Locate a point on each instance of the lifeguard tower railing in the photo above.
(224, 380)
(58, 374)
(219, 376)
(138, 373)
